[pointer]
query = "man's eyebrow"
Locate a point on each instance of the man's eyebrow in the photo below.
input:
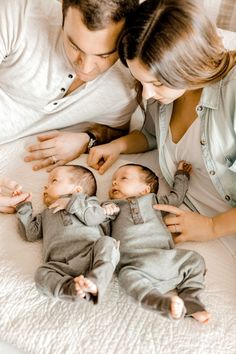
(98, 55)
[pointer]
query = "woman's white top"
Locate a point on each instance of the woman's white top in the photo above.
(201, 191)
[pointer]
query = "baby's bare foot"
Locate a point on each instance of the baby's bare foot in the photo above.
(84, 285)
(79, 286)
(176, 307)
(202, 316)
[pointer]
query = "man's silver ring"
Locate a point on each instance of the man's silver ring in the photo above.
(54, 160)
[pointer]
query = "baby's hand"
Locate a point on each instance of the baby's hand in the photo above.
(19, 192)
(60, 204)
(111, 209)
(183, 165)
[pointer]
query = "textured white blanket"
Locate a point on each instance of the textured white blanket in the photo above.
(38, 325)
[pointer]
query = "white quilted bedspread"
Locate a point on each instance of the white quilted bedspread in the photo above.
(38, 325)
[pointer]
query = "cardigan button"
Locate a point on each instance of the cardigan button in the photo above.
(199, 108)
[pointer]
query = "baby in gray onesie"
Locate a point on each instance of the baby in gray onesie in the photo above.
(149, 264)
(79, 260)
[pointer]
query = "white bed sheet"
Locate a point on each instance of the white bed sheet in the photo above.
(38, 325)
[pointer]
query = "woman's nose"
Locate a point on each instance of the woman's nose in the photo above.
(148, 91)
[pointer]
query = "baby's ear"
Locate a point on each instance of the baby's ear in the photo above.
(78, 189)
(146, 190)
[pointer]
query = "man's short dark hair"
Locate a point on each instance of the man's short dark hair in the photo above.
(150, 177)
(84, 177)
(97, 14)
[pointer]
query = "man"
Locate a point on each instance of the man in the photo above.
(53, 77)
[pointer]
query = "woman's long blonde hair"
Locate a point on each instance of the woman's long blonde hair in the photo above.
(177, 42)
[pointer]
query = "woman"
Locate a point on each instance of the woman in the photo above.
(189, 80)
(14, 197)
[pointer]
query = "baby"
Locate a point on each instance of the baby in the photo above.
(149, 265)
(79, 260)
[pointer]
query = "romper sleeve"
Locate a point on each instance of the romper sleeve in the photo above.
(178, 190)
(30, 227)
(86, 209)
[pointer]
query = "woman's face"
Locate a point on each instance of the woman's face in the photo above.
(151, 87)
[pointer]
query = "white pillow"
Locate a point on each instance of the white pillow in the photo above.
(229, 38)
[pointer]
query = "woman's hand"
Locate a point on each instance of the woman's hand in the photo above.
(103, 156)
(13, 197)
(56, 149)
(187, 225)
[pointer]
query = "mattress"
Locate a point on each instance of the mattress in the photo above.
(39, 325)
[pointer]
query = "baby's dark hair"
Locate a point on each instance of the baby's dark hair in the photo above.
(150, 177)
(84, 177)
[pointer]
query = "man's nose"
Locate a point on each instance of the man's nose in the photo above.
(148, 91)
(45, 187)
(85, 63)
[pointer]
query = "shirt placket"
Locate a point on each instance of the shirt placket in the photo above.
(135, 211)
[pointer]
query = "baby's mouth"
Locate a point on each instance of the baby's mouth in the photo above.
(115, 191)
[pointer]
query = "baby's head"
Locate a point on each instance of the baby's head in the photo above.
(69, 179)
(133, 180)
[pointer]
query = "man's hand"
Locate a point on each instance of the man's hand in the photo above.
(187, 225)
(111, 209)
(60, 204)
(56, 149)
(103, 156)
(13, 197)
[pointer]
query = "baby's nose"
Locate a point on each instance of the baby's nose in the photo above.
(114, 182)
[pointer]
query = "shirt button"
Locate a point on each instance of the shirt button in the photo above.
(199, 108)
(203, 142)
(212, 172)
(63, 89)
(55, 103)
(227, 197)
(70, 76)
